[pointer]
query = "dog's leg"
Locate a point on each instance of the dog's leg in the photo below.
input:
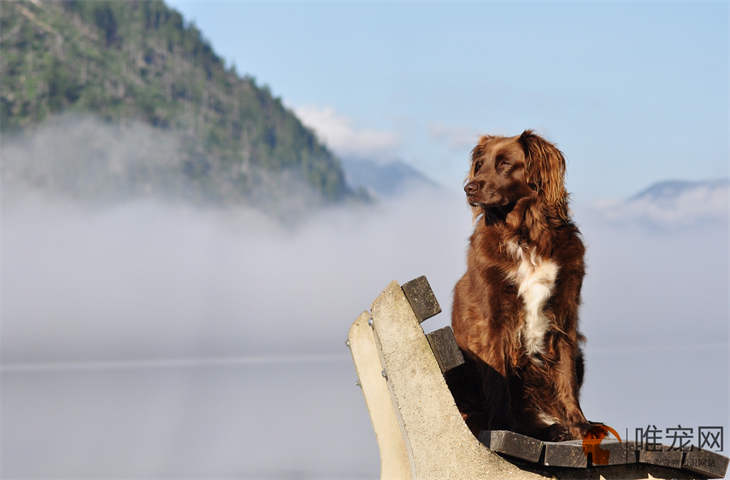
(568, 359)
(567, 387)
(547, 406)
(464, 383)
(494, 373)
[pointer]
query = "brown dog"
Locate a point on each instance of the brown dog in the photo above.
(515, 311)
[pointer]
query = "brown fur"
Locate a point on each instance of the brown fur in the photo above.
(516, 190)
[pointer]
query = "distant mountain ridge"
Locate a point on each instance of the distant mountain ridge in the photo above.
(673, 204)
(384, 178)
(141, 61)
(669, 189)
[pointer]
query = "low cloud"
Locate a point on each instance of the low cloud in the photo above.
(151, 280)
(345, 138)
(145, 279)
(87, 161)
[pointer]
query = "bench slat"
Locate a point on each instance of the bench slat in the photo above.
(444, 347)
(421, 298)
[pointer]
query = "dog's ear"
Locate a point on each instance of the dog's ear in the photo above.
(545, 170)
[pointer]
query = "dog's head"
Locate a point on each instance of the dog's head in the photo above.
(506, 169)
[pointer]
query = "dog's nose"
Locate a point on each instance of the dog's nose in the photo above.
(471, 188)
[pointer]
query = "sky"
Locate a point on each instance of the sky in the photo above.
(632, 94)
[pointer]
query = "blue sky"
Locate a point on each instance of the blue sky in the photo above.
(631, 94)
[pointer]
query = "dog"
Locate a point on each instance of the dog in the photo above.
(515, 310)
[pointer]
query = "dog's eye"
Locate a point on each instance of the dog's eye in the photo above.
(477, 166)
(501, 162)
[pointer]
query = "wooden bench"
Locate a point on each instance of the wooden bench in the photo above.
(422, 435)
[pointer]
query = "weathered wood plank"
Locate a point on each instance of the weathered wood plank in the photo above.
(662, 456)
(613, 452)
(565, 454)
(447, 352)
(512, 444)
(705, 462)
(421, 298)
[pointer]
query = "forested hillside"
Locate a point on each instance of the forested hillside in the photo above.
(140, 60)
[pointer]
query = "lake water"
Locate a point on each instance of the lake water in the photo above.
(295, 418)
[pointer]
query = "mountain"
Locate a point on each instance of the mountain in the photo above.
(140, 61)
(673, 204)
(383, 178)
(670, 190)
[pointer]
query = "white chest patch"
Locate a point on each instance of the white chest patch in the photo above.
(535, 279)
